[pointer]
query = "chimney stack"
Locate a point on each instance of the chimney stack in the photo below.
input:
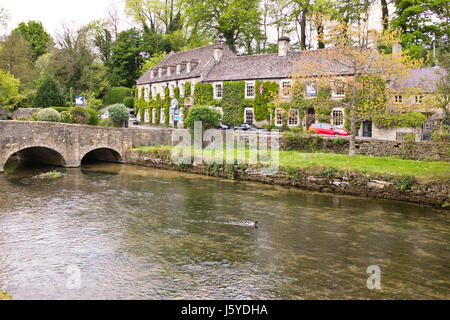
(283, 46)
(218, 52)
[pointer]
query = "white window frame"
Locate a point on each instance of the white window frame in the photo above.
(282, 88)
(419, 99)
(182, 86)
(297, 120)
(188, 67)
(245, 114)
(168, 71)
(216, 96)
(278, 111)
(162, 116)
(398, 99)
(334, 86)
(171, 90)
(251, 83)
(343, 117)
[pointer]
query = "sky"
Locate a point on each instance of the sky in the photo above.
(52, 13)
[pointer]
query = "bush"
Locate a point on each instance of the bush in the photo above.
(48, 114)
(128, 102)
(60, 109)
(400, 120)
(118, 113)
(80, 115)
(209, 117)
(117, 95)
(93, 120)
(66, 117)
(49, 93)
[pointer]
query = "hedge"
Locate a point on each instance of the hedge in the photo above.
(116, 95)
(93, 120)
(400, 120)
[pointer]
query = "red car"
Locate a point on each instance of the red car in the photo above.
(328, 129)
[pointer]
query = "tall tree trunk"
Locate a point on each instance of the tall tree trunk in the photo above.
(385, 14)
(352, 149)
(303, 30)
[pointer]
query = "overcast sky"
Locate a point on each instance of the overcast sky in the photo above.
(53, 12)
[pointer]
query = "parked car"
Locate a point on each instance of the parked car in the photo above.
(327, 129)
(224, 126)
(134, 119)
(247, 127)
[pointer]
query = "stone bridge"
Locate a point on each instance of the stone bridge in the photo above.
(67, 145)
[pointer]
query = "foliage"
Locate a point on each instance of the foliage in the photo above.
(203, 93)
(35, 34)
(93, 117)
(116, 95)
(80, 115)
(153, 61)
(9, 91)
(166, 106)
(118, 113)
(187, 89)
(91, 101)
(49, 93)
(128, 102)
(404, 183)
(208, 116)
(261, 102)
(49, 114)
(66, 117)
(232, 102)
(399, 120)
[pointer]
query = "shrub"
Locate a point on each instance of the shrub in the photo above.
(209, 117)
(118, 113)
(93, 120)
(128, 102)
(401, 120)
(49, 93)
(80, 115)
(60, 109)
(116, 95)
(66, 117)
(48, 114)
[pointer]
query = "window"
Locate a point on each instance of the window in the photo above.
(338, 118)
(249, 116)
(398, 99)
(182, 89)
(293, 117)
(249, 89)
(218, 91)
(163, 116)
(188, 68)
(286, 88)
(419, 99)
(339, 88)
(311, 88)
(278, 118)
(172, 90)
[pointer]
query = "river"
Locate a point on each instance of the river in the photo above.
(111, 231)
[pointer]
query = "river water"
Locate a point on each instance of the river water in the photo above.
(111, 231)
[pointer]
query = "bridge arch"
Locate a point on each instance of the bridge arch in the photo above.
(39, 154)
(102, 153)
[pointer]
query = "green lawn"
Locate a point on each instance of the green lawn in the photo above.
(424, 170)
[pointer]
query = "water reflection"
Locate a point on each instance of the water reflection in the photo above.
(139, 233)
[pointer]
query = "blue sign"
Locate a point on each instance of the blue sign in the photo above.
(79, 100)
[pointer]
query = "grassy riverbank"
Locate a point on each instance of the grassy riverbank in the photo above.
(422, 170)
(5, 296)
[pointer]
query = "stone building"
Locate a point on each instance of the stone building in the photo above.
(216, 64)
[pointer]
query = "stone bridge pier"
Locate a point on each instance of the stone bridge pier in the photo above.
(62, 144)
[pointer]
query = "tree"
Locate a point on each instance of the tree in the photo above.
(118, 113)
(9, 91)
(49, 93)
(421, 22)
(355, 66)
(35, 34)
(16, 58)
(208, 116)
(126, 60)
(4, 18)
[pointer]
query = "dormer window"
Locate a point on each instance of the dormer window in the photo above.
(250, 89)
(152, 74)
(178, 68)
(160, 71)
(168, 71)
(188, 67)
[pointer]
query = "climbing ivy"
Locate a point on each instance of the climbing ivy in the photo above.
(401, 120)
(232, 103)
(166, 105)
(203, 93)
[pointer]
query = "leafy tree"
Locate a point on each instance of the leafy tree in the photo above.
(209, 117)
(126, 60)
(35, 34)
(9, 91)
(49, 93)
(119, 113)
(48, 114)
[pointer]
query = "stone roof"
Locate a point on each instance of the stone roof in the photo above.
(271, 66)
(201, 59)
(422, 78)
